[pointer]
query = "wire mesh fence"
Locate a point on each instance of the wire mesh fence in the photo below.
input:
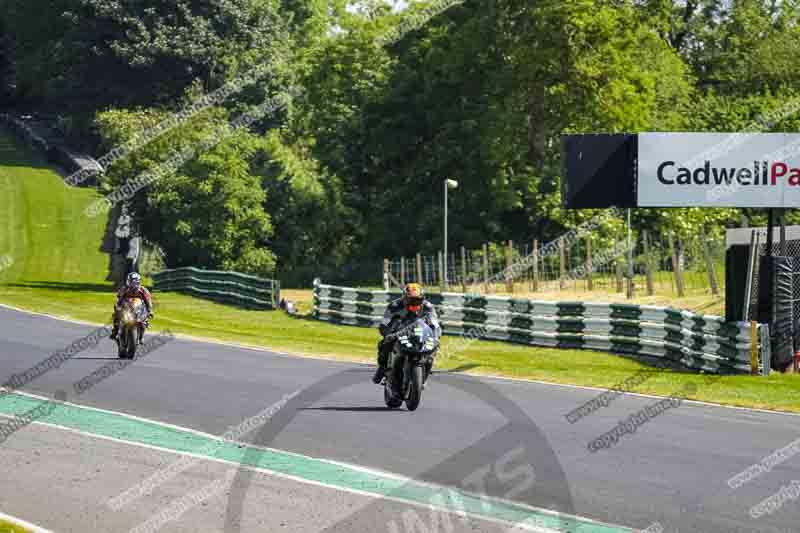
(658, 263)
(792, 250)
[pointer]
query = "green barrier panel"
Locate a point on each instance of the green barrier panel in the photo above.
(692, 341)
(227, 287)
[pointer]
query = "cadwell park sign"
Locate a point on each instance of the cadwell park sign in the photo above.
(681, 170)
(718, 170)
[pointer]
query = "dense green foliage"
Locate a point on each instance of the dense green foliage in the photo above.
(352, 170)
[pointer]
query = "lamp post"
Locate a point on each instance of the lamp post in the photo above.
(448, 184)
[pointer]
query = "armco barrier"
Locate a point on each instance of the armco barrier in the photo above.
(228, 287)
(696, 342)
(54, 149)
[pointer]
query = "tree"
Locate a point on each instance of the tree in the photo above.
(89, 55)
(6, 79)
(34, 33)
(735, 47)
(210, 211)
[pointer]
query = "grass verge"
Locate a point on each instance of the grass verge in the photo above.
(44, 237)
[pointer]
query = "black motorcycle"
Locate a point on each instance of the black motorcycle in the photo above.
(409, 364)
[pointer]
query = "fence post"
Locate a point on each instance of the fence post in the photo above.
(485, 268)
(648, 267)
(386, 274)
(441, 271)
(561, 266)
(463, 269)
(629, 286)
(419, 270)
(629, 273)
(509, 273)
(535, 265)
(589, 263)
(712, 278)
(403, 271)
(676, 266)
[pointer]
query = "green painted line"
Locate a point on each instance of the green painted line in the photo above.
(137, 431)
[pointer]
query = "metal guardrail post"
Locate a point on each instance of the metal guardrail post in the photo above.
(766, 349)
(753, 348)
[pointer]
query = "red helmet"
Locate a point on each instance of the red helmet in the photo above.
(413, 295)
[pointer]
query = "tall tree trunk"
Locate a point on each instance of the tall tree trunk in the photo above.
(536, 126)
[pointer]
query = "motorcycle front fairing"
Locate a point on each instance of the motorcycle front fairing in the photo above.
(415, 346)
(417, 339)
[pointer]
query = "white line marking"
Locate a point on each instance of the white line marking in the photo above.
(377, 473)
(16, 521)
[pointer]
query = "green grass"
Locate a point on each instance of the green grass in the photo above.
(59, 270)
(8, 527)
(44, 236)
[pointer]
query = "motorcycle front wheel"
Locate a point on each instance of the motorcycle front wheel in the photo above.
(131, 341)
(415, 388)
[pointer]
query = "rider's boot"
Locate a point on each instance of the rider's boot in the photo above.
(381, 370)
(428, 372)
(115, 328)
(378, 377)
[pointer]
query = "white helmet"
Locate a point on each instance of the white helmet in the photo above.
(134, 280)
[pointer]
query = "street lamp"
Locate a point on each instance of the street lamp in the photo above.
(448, 184)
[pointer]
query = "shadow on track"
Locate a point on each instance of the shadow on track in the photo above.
(352, 409)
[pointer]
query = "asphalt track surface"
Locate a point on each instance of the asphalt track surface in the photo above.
(672, 471)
